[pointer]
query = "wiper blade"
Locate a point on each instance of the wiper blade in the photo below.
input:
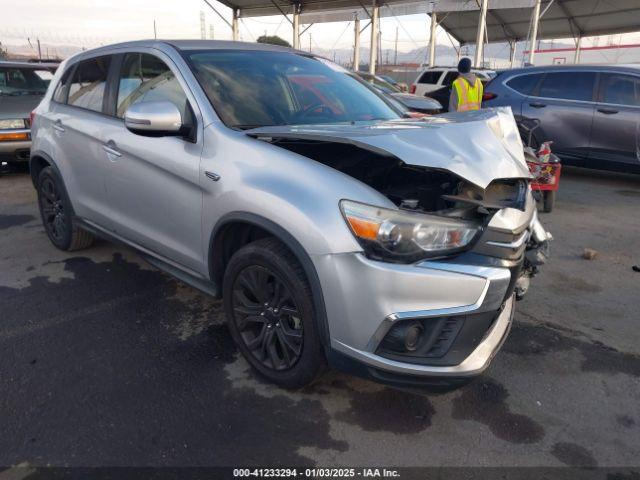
(250, 127)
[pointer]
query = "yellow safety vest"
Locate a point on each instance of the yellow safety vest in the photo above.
(469, 98)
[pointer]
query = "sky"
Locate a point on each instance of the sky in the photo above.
(90, 23)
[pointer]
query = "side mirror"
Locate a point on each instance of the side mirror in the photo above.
(153, 119)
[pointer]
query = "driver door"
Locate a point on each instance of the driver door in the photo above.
(152, 183)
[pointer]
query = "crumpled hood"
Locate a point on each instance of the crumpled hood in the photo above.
(479, 146)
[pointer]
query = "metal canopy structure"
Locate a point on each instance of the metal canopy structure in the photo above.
(511, 21)
(467, 21)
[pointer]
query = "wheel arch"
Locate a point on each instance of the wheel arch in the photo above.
(38, 161)
(234, 230)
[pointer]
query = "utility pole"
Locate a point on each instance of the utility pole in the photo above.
(155, 33)
(432, 39)
(395, 55)
(309, 42)
(203, 32)
(356, 44)
(39, 51)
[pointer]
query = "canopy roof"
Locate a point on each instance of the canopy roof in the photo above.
(506, 19)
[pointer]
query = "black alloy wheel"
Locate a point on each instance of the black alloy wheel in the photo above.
(54, 214)
(267, 317)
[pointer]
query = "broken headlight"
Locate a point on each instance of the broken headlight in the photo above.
(402, 236)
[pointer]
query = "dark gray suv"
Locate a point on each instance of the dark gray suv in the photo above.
(591, 112)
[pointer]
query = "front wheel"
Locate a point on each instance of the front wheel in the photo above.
(269, 308)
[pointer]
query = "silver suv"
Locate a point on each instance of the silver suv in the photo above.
(334, 230)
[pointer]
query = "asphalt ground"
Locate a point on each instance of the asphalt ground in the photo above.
(105, 361)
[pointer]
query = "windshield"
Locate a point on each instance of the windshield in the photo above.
(250, 89)
(24, 81)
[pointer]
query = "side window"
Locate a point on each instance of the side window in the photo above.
(449, 78)
(524, 84)
(146, 78)
(568, 85)
(87, 86)
(431, 76)
(60, 93)
(621, 90)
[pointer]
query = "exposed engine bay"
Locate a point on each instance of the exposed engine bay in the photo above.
(413, 188)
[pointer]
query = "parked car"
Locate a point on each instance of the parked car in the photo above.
(435, 78)
(22, 86)
(334, 230)
(589, 112)
(412, 103)
(399, 85)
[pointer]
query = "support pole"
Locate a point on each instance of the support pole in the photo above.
(235, 32)
(356, 44)
(373, 53)
(482, 24)
(534, 32)
(296, 26)
(576, 57)
(432, 39)
(512, 53)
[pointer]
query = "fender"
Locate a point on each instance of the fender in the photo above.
(47, 157)
(298, 250)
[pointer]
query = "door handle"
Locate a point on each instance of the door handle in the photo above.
(57, 125)
(608, 111)
(111, 151)
(538, 105)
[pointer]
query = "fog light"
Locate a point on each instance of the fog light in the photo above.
(412, 337)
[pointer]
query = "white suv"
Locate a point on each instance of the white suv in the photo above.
(433, 78)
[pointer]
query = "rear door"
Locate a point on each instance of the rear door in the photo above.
(564, 103)
(615, 137)
(76, 120)
(153, 182)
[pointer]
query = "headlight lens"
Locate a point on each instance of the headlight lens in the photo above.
(404, 236)
(12, 124)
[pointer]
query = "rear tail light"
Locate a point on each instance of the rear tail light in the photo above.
(488, 96)
(32, 117)
(412, 88)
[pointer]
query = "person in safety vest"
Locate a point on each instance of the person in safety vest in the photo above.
(466, 90)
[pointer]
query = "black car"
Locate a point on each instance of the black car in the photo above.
(590, 112)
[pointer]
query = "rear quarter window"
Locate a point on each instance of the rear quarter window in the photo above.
(524, 84)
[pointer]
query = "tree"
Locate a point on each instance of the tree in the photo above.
(273, 40)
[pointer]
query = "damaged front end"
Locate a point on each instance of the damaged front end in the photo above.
(458, 185)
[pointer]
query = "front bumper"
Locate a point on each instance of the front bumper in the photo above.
(15, 151)
(365, 298)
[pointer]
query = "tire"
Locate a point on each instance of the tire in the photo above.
(269, 308)
(57, 213)
(549, 200)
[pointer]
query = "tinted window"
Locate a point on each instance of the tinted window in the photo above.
(524, 84)
(621, 89)
(432, 76)
(449, 78)
(568, 85)
(88, 83)
(145, 78)
(258, 88)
